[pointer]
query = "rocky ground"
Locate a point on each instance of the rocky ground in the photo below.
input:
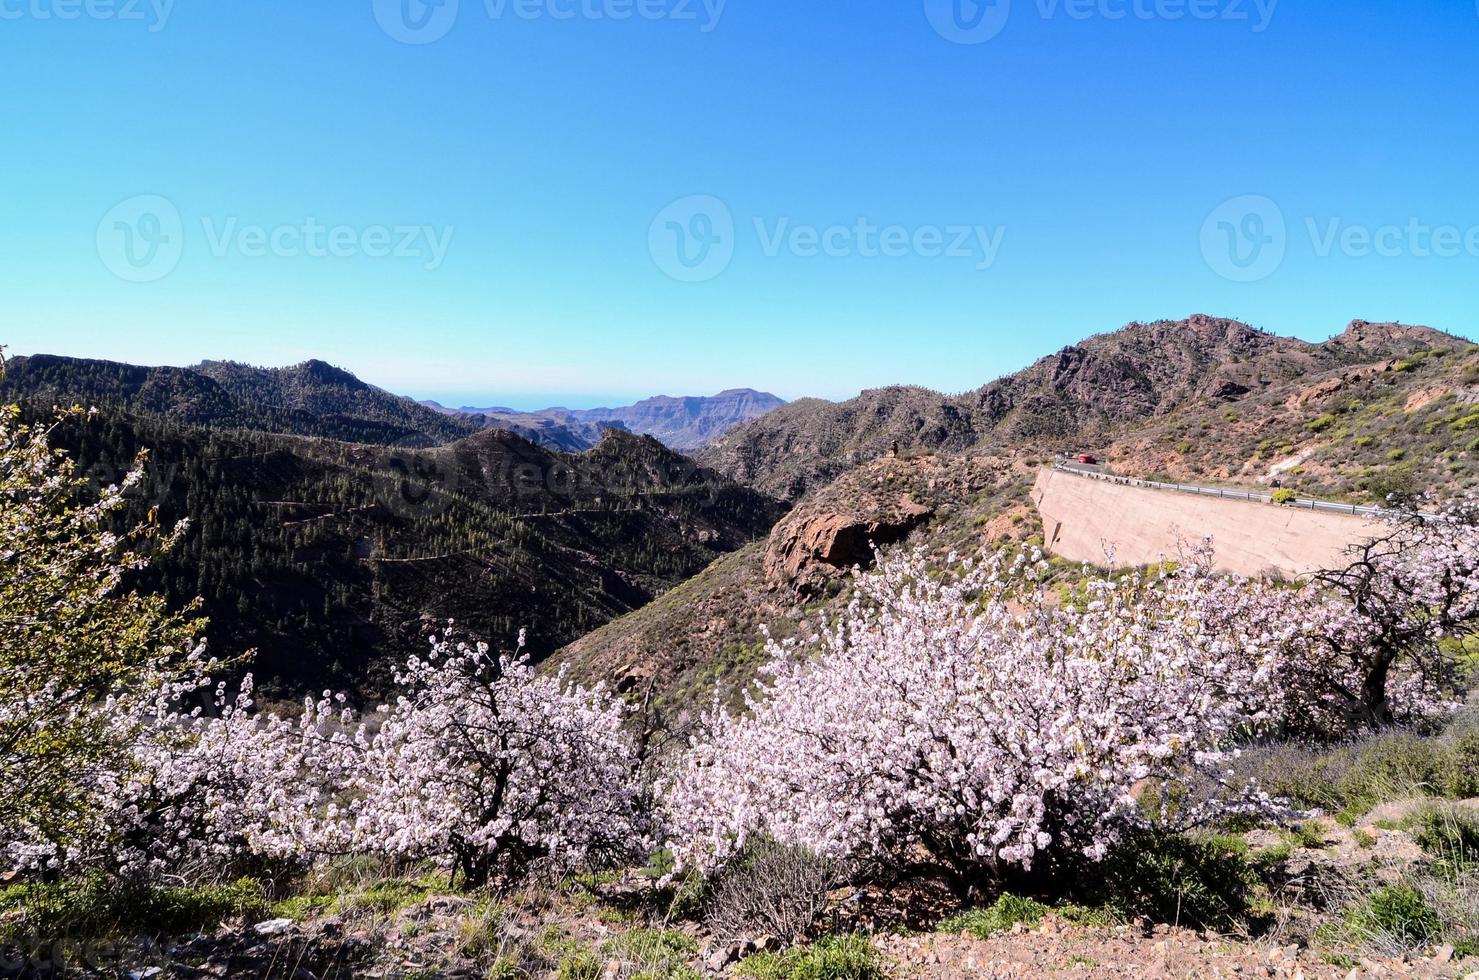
(1056, 950)
(425, 946)
(375, 925)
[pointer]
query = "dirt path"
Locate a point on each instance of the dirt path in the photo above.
(1058, 950)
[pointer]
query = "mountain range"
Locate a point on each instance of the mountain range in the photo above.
(317, 399)
(332, 524)
(680, 423)
(1081, 394)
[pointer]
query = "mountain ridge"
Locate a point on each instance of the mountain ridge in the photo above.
(1134, 373)
(312, 398)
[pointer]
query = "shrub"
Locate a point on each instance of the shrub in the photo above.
(1461, 780)
(654, 954)
(579, 963)
(482, 765)
(1007, 911)
(94, 908)
(1392, 767)
(1394, 485)
(1349, 779)
(487, 766)
(1322, 423)
(829, 958)
(1375, 647)
(1200, 881)
(1396, 915)
(1284, 495)
(771, 890)
(1451, 836)
(83, 660)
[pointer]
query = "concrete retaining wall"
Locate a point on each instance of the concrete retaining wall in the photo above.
(1083, 516)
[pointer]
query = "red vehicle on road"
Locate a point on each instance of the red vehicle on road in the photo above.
(1086, 459)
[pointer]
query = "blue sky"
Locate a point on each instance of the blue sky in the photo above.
(502, 214)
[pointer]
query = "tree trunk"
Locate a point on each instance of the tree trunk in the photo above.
(1374, 693)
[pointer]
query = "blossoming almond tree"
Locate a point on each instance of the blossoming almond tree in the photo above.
(83, 660)
(214, 795)
(969, 724)
(482, 765)
(1370, 651)
(488, 766)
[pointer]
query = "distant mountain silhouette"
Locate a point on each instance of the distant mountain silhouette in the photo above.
(679, 423)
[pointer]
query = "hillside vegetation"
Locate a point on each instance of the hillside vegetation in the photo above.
(332, 560)
(310, 399)
(967, 758)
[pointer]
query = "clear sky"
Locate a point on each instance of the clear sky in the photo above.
(580, 201)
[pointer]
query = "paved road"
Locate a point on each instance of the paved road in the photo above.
(1304, 503)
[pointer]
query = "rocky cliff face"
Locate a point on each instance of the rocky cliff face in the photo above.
(815, 545)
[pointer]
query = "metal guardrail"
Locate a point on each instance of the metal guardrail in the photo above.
(1302, 503)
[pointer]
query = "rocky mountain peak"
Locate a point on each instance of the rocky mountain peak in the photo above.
(315, 371)
(1392, 338)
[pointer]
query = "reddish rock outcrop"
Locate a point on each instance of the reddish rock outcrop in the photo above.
(810, 547)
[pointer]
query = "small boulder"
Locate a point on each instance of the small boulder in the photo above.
(273, 927)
